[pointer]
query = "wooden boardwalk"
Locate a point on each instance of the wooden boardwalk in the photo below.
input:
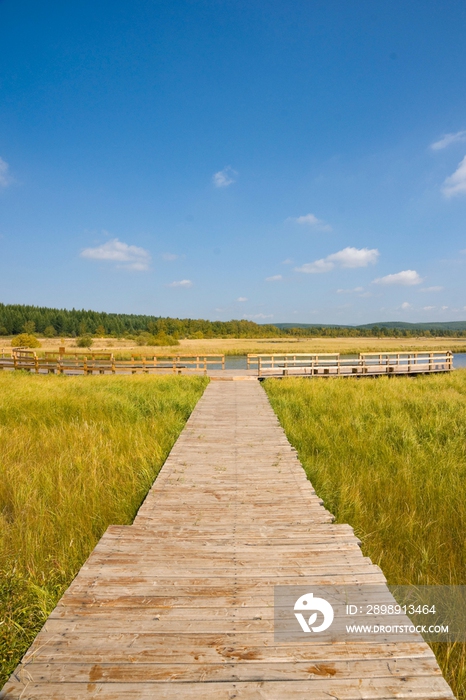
(261, 366)
(180, 604)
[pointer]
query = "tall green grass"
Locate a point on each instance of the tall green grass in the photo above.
(76, 455)
(388, 456)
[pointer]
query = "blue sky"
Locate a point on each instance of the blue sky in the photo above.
(279, 161)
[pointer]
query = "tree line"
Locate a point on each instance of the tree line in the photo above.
(19, 318)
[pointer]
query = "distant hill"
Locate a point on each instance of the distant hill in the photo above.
(433, 325)
(400, 325)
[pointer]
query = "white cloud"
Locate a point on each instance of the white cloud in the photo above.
(456, 183)
(350, 291)
(311, 220)
(258, 316)
(316, 267)
(405, 277)
(288, 261)
(405, 305)
(5, 178)
(242, 299)
(444, 308)
(181, 283)
(448, 139)
(355, 257)
(169, 256)
(428, 308)
(130, 257)
(348, 257)
(224, 177)
(431, 289)
(274, 278)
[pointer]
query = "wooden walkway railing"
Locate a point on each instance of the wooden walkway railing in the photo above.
(105, 363)
(326, 364)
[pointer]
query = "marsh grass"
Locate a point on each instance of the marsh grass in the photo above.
(76, 455)
(388, 456)
(124, 348)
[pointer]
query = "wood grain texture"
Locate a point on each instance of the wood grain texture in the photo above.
(180, 604)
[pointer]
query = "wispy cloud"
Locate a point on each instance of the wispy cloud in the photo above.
(224, 177)
(251, 316)
(288, 261)
(456, 183)
(432, 289)
(316, 267)
(405, 278)
(5, 178)
(126, 256)
(348, 257)
(169, 256)
(350, 291)
(311, 220)
(274, 278)
(406, 305)
(181, 283)
(428, 308)
(447, 140)
(242, 299)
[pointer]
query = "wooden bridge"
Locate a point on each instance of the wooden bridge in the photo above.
(260, 366)
(181, 603)
(367, 363)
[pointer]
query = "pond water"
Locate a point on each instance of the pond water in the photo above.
(459, 359)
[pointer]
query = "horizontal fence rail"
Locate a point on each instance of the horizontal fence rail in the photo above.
(105, 363)
(326, 364)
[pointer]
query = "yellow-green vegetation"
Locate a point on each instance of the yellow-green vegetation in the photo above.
(25, 340)
(388, 456)
(76, 455)
(123, 348)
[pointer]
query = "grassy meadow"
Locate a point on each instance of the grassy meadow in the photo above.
(76, 455)
(388, 456)
(123, 348)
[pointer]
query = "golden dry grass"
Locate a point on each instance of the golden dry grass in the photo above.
(238, 346)
(76, 455)
(388, 456)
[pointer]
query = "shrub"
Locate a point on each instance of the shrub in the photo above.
(85, 341)
(143, 339)
(25, 340)
(162, 339)
(50, 332)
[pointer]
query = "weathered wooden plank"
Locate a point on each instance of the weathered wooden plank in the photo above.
(259, 671)
(414, 687)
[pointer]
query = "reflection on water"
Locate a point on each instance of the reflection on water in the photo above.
(459, 359)
(235, 362)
